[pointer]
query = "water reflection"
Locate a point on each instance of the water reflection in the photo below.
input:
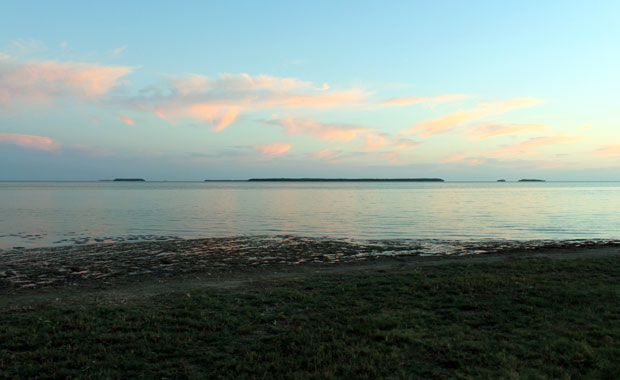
(47, 213)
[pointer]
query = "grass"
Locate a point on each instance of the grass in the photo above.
(530, 319)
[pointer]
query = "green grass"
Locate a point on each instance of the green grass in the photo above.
(531, 319)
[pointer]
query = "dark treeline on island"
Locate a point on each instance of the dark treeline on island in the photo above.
(129, 180)
(531, 180)
(346, 180)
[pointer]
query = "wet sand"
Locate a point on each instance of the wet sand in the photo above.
(122, 271)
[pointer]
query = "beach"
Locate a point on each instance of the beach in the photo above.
(213, 260)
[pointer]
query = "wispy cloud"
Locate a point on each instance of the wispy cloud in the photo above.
(39, 143)
(87, 150)
(463, 159)
(607, 150)
(46, 80)
(484, 109)
(487, 130)
(126, 119)
(221, 100)
(274, 149)
(405, 101)
(27, 45)
(50, 145)
(533, 143)
(324, 154)
(116, 52)
(219, 116)
(356, 158)
(321, 131)
(404, 144)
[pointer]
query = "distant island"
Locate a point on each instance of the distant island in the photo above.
(129, 180)
(501, 180)
(531, 180)
(346, 180)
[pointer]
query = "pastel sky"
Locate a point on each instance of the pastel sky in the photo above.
(462, 90)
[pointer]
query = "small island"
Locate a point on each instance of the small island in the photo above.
(346, 180)
(531, 180)
(501, 180)
(129, 180)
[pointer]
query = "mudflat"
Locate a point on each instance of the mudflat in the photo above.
(122, 271)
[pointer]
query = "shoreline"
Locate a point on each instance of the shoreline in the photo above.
(114, 270)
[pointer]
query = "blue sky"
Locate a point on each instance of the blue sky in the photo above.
(459, 90)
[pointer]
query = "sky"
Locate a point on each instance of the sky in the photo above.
(193, 90)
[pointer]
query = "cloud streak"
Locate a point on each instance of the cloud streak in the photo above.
(273, 150)
(324, 154)
(30, 142)
(403, 144)
(321, 131)
(219, 116)
(607, 150)
(484, 109)
(405, 101)
(533, 143)
(481, 131)
(463, 159)
(50, 145)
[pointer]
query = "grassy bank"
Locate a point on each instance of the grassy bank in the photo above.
(535, 318)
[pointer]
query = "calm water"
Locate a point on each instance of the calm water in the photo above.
(53, 213)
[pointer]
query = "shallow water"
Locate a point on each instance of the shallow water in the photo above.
(60, 213)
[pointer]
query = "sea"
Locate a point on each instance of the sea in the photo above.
(40, 214)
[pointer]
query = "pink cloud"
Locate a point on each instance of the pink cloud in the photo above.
(45, 144)
(48, 80)
(607, 150)
(425, 99)
(126, 119)
(533, 143)
(373, 141)
(218, 116)
(319, 100)
(487, 130)
(324, 154)
(336, 132)
(227, 118)
(274, 149)
(484, 109)
(220, 100)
